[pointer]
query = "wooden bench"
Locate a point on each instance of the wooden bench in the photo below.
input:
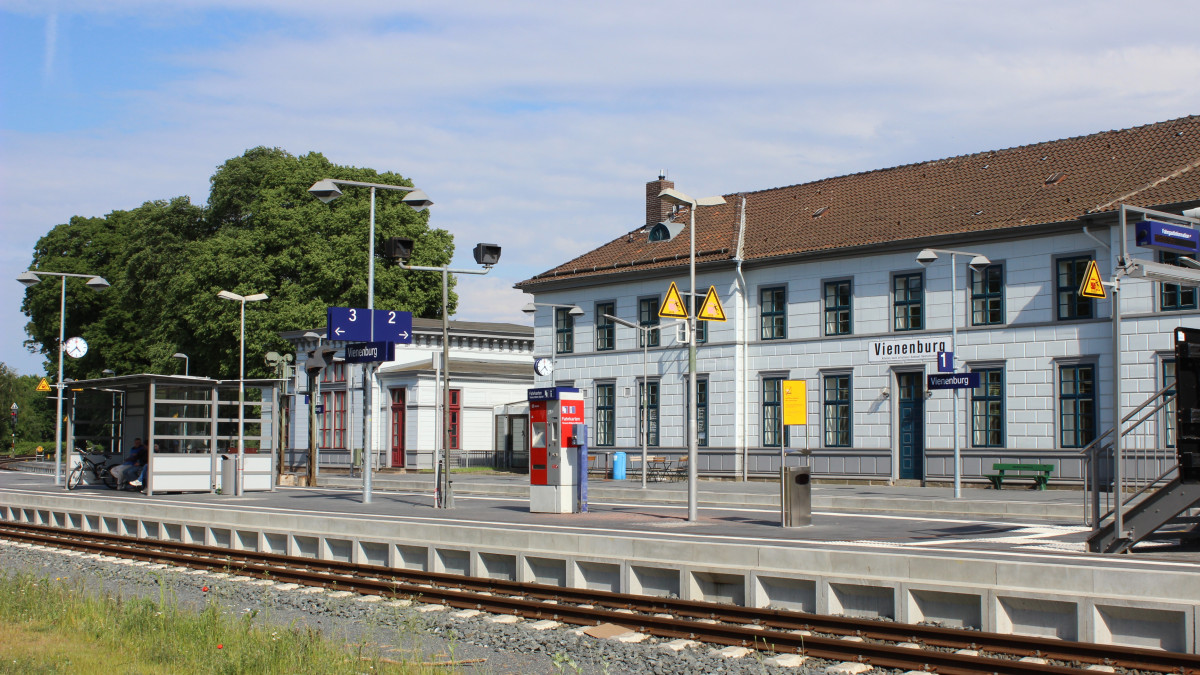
(1040, 473)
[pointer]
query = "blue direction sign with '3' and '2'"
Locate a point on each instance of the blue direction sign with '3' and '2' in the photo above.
(354, 324)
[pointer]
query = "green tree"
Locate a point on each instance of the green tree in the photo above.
(35, 418)
(261, 232)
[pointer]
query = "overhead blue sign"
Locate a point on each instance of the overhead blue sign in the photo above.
(370, 352)
(1167, 237)
(548, 393)
(354, 324)
(953, 381)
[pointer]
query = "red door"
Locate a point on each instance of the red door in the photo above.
(398, 427)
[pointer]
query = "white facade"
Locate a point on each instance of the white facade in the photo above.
(491, 365)
(1030, 348)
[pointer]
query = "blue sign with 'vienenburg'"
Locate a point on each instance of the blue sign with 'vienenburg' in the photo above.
(370, 352)
(953, 381)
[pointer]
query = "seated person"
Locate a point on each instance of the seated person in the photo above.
(132, 465)
(141, 479)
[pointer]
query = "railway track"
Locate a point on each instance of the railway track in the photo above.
(883, 644)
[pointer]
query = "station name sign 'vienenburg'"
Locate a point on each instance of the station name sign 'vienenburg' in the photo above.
(912, 349)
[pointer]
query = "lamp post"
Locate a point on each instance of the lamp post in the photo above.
(645, 380)
(186, 361)
(572, 310)
(15, 409)
(243, 299)
(678, 198)
(29, 278)
(327, 190)
(978, 263)
(487, 255)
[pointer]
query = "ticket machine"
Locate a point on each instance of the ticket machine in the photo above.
(554, 461)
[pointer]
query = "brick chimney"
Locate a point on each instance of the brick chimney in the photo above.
(656, 209)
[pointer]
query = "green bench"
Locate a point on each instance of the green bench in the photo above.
(1040, 473)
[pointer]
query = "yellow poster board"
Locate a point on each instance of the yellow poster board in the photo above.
(672, 306)
(711, 309)
(1092, 286)
(795, 402)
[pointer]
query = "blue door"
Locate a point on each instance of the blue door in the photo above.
(912, 425)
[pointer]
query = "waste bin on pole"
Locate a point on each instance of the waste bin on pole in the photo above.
(619, 460)
(229, 475)
(797, 497)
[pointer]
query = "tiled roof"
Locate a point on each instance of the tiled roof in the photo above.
(1052, 182)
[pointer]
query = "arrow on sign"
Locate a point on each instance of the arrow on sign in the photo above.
(338, 331)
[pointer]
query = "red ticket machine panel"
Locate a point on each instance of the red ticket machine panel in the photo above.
(538, 443)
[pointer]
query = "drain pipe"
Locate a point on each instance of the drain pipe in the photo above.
(744, 446)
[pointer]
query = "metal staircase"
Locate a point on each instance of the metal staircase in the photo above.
(1168, 506)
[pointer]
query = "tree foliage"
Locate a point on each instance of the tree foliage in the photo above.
(261, 232)
(35, 411)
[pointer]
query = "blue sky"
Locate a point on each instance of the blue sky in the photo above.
(535, 124)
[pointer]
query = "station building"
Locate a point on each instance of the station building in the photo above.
(491, 368)
(820, 282)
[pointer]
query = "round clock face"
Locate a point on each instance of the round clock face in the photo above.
(76, 347)
(542, 367)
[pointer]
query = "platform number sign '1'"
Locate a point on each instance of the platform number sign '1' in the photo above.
(945, 362)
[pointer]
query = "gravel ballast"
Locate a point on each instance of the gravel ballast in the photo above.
(476, 643)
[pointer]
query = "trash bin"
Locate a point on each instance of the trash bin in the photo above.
(619, 460)
(228, 475)
(797, 496)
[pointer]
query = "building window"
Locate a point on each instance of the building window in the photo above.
(648, 410)
(701, 409)
(701, 326)
(1077, 405)
(987, 296)
(837, 308)
(606, 329)
(772, 304)
(908, 301)
(1168, 375)
(335, 372)
(455, 408)
(1174, 297)
(1068, 276)
(773, 431)
(836, 407)
(333, 420)
(606, 414)
(647, 317)
(987, 409)
(564, 331)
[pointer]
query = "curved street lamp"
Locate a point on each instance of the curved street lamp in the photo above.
(241, 453)
(572, 310)
(96, 283)
(186, 361)
(978, 262)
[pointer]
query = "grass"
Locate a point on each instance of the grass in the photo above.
(55, 626)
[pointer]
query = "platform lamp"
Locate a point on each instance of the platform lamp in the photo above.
(673, 196)
(15, 409)
(645, 380)
(977, 264)
(241, 453)
(400, 249)
(327, 190)
(186, 361)
(29, 278)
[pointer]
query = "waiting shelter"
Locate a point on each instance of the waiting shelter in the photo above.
(192, 420)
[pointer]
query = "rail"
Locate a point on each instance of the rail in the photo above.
(768, 629)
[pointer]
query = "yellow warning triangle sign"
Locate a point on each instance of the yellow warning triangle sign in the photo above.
(711, 309)
(1092, 287)
(672, 305)
(43, 385)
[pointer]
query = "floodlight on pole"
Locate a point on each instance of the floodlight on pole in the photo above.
(327, 190)
(978, 263)
(96, 283)
(241, 451)
(673, 196)
(486, 255)
(186, 362)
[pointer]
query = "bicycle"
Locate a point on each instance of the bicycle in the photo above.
(101, 472)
